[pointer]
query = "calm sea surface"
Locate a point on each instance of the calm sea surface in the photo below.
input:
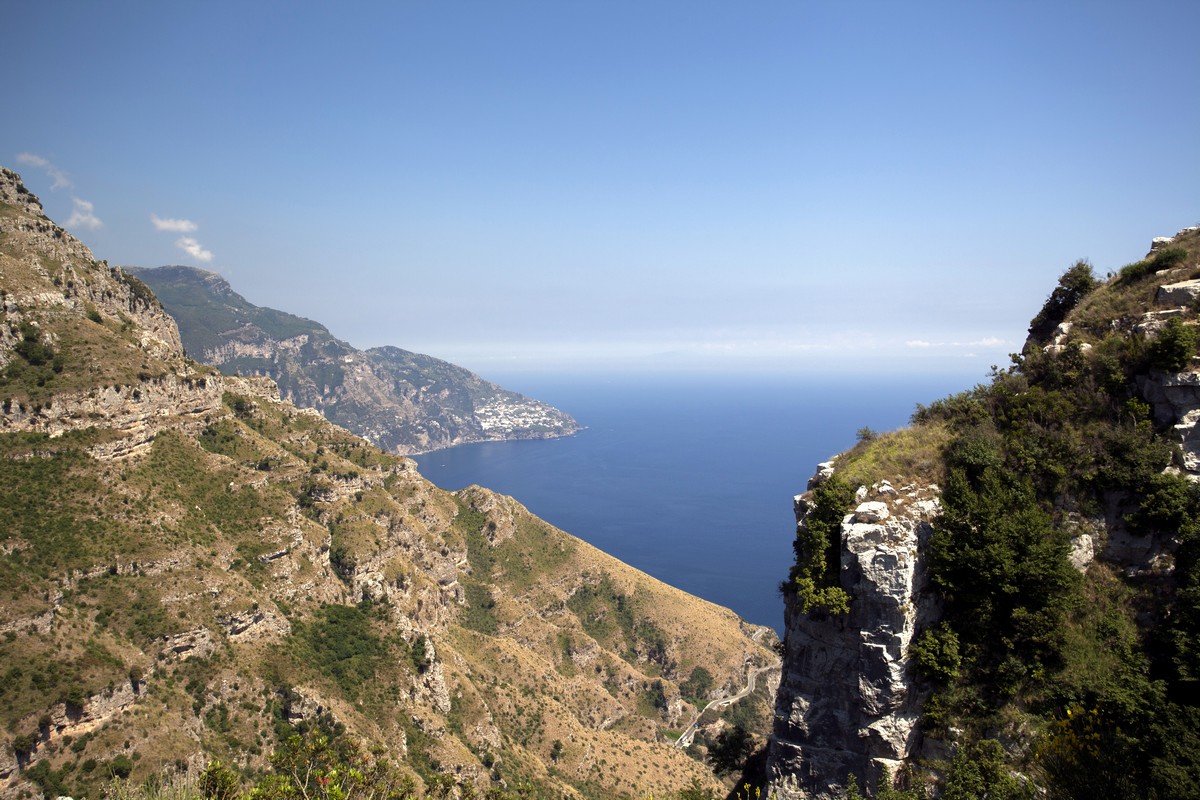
(688, 479)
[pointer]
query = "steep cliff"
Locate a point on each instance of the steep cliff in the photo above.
(1021, 615)
(401, 401)
(846, 704)
(191, 568)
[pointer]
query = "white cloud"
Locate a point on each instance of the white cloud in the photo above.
(173, 225)
(83, 216)
(84, 213)
(61, 181)
(190, 246)
(918, 343)
(187, 244)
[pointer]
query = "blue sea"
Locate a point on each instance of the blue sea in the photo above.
(689, 479)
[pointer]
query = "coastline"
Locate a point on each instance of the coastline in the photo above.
(531, 437)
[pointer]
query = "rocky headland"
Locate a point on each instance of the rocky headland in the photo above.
(401, 401)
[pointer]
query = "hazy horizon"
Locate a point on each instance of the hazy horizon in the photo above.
(679, 187)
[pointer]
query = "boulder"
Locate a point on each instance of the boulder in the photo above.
(871, 512)
(1183, 293)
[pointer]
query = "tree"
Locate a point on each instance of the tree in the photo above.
(698, 685)
(978, 770)
(732, 748)
(1074, 284)
(1001, 567)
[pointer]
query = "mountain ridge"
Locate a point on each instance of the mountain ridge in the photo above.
(193, 568)
(403, 401)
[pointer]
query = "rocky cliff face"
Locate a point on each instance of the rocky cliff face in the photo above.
(402, 401)
(51, 270)
(849, 701)
(846, 702)
(84, 344)
(1174, 396)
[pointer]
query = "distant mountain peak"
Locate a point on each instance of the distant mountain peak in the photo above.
(402, 401)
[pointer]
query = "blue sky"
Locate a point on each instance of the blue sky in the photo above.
(783, 186)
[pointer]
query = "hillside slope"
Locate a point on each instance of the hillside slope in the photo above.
(1003, 600)
(193, 568)
(402, 402)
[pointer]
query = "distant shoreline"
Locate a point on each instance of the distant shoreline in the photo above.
(542, 437)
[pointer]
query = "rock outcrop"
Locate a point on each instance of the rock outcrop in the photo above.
(846, 703)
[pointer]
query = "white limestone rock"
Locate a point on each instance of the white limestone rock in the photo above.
(874, 511)
(824, 471)
(1058, 341)
(1175, 401)
(1159, 242)
(845, 702)
(1083, 552)
(1183, 293)
(1154, 321)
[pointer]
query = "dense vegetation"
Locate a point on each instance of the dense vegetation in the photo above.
(814, 576)
(1100, 660)
(1050, 680)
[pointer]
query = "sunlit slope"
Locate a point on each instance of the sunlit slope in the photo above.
(192, 568)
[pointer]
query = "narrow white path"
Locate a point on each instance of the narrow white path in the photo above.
(685, 738)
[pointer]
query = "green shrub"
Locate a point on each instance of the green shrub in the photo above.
(935, 654)
(730, 751)
(1173, 348)
(814, 576)
(652, 699)
(31, 348)
(478, 614)
(23, 745)
(698, 685)
(320, 767)
(50, 780)
(218, 782)
(1002, 568)
(73, 699)
(419, 654)
(120, 767)
(979, 770)
(342, 643)
(1167, 258)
